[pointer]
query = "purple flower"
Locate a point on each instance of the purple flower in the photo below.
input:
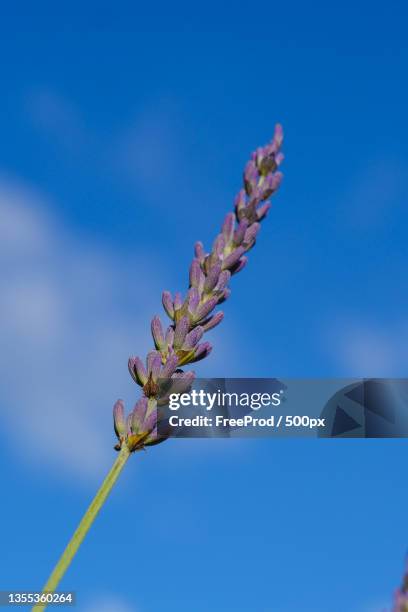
(192, 317)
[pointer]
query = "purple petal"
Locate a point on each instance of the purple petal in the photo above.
(259, 154)
(181, 382)
(157, 333)
(196, 274)
(251, 232)
(199, 251)
(212, 278)
(240, 265)
(169, 339)
(279, 157)
(167, 301)
(240, 201)
(250, 176)
(202, 351)
(129, 423)
(169, 367)
(233, 257)
(193, 299)
(218, 246)
(262, 211)
(193, 338)
(212, 321)
(181, 332)
(204, 309)
(178, 301)
(270, 185)
(119, 421)
(224, 296)
(137, 370)
(223, 280)
(150, 422)
(154, 362)
(250, 235)
(228, 227)
(277, 137)
(240, 231)
(138, 415)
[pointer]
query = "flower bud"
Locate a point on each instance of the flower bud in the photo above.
(228, 227)
(167, 301)
(232, 259)
(193, 338)
(224, 295)
(212, 278)
(223, 280)
(250, 177)
(204, 309)
(154, 362)
(199, 251)
(169, 338)
(157, 333)
(119, 421)
(196, 274)
(240, 202)
(239, 265)
(262, 211)
(240, 231)
(212, 321)
(169, 367)
(138, 415)
(180, 332)
(201, 352)
(137, 370)
(193, 300)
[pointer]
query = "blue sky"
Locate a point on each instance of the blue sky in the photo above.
(124, 131)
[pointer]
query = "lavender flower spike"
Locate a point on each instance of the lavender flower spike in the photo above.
(192, 315)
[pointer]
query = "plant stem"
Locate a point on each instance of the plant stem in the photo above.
(84, 526)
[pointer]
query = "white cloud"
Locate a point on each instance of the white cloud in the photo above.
(65, 335)
(71, 313)
(23, 229)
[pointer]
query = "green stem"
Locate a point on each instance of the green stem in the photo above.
(84, 526)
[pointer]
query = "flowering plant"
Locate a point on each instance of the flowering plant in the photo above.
(191, 317)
